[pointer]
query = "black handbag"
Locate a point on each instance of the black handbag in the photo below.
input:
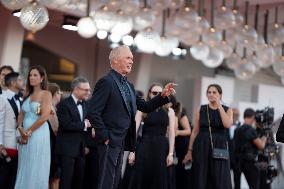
(217, 153)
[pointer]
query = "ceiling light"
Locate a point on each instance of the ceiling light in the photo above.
(176, 51)
(114, 45)
(16, 13)
(86, 27)
(70, 23)
(128, 40)
(115, 38)
(102, 34)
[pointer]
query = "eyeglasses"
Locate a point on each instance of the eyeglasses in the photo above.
(59, 92)
(86, 90)
(156, 92)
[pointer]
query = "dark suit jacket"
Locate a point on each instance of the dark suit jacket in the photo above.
(280, 132)
(70, 138)
(109, 115)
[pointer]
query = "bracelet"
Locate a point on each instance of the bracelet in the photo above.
(29, 132)
(190, 150)
(171, 154)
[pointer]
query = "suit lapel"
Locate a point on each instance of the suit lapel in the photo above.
(74, 108)
(14, 107)
(133, 99)
(84, 108)
(121, 92)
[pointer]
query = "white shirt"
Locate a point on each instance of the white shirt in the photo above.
(79, 107)
(232, 129)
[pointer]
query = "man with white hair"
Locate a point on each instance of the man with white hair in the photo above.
(112, 111)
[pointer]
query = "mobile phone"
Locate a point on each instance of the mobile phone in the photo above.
(188, 165)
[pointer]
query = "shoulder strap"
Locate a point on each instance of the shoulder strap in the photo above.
(210, 132)
(209, 125)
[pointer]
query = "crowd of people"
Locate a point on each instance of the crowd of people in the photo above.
(113, 138)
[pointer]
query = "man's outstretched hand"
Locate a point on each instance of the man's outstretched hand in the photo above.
(169, 90)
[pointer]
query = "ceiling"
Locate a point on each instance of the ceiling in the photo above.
(56, 17)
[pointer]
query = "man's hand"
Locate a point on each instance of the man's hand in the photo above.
(93, 133)
(169, 89)
(87, 123)
(131, 158)
(86, 151)
(106, 142)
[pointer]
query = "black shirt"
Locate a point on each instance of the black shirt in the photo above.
(125, 88)
(243, 139)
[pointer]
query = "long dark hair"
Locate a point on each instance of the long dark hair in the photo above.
(43, 85)
(218, 87)
(144, 115)
(150, 89)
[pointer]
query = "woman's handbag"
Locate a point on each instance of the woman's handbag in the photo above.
(217, 153)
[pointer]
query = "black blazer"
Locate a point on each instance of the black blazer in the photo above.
(70, 138)
(110, 116)
(280, 132)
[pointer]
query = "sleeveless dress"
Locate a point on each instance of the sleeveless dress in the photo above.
(34, 157)
(150, 169)
(210, 173)
(183, 176)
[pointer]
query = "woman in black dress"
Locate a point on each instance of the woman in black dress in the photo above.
(155, 150)
(183, 131)
(53, 128)
(208, 172)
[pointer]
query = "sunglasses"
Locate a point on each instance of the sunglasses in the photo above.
(155, 92)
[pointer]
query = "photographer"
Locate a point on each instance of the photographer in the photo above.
(247, 144)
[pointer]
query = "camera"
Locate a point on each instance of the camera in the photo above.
(264, 118)
(271, 173)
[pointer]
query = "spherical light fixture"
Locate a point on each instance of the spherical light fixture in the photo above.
(199, 51)
(14, 4)
(128, 40)
(214, 58)
(34, 17)
(102, 34)
(86, 27)
(146, 40)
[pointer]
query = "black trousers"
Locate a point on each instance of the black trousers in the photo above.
(8, 172)
(110, 164)
(72, 172)
(91, 170)
(251, 172)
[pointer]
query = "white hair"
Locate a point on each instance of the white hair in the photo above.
(115, 53)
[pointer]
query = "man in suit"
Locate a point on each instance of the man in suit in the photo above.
(9, 111)
(112, 113)
(70, 142)
(4, 70)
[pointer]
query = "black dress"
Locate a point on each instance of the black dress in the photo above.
(210, 173)
(54, 167)
(150, 164)
(181, 147)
